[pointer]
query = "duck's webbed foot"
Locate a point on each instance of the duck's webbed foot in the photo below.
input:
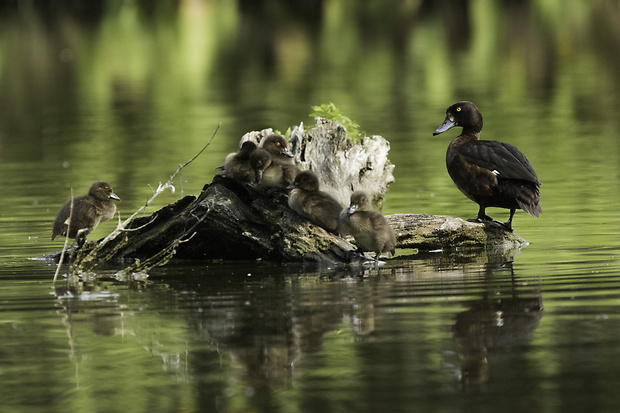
(506, 225)
(481, 218)
(485, 219)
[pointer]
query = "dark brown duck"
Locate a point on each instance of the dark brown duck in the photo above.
(308, 201)
(369, 228)
(490, 173)
(88, 211)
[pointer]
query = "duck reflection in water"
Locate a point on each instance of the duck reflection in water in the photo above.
(497, 321)
(88, 212)
(490, 173)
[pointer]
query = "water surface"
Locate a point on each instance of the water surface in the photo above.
(126, 92)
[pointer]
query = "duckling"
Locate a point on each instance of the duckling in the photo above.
(88, 211)
(369, 228)
(490, 173)
(237, 164)
(260, 160)
(308, 201)
(273, 163)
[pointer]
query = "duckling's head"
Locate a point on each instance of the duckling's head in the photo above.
(246, 149)
(464, 114)
(276, 145)
(260, 160)
(359, 202)
(306, 181)
(103, 191)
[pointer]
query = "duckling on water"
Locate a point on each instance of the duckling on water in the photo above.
(369, 228)
(490, 173)
(88, 211)
(308, 201)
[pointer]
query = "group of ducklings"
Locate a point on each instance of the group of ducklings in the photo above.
(490, 173)
(271, 164)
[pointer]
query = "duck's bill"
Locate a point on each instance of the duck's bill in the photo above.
(447, 124)
(114, 196)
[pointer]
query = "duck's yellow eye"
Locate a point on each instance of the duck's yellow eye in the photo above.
(458, 109)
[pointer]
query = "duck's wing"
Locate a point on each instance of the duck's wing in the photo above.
(84, 213)
(322, 209)
(502, 159)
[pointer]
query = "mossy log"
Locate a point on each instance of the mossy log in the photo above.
(230, 221)
(233, 221)
(430, 232)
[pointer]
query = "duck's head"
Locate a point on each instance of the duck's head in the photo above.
(260, 160)
(276, 145)
(102, 190)
(246, 149)
(464, 114)
(359, 202)
(306, 181)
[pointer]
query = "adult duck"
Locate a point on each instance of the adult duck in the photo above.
(88, 211)
(490, 173)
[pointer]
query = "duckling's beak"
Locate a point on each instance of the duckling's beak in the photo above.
(447, 124)
(287, 153)
(352, 209)
(258, 175)
(114, 196)
(290, 187)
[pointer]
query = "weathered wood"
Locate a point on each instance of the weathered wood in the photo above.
(343, 166)
(227, 221)
(429, 232)
(234, 221)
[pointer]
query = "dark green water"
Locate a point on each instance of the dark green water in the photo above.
(125, 92)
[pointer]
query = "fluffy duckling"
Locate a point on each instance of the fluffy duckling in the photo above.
(490, 173)
(237, 164)
(88, 211)
(308, 201)
(369, 228)
(273, 163)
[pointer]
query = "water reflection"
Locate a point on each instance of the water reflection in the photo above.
(505, 317)
(267, 327)
(85, 89)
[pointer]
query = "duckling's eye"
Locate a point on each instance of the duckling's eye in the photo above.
(458, 109)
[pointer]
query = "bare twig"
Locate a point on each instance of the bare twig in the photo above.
(161, 188)
(153, 218)
(64, 248)
(121, 227)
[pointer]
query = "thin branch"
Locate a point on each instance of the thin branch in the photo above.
(153, 218)
(201, 151)
(121, 227)
(64, 248)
